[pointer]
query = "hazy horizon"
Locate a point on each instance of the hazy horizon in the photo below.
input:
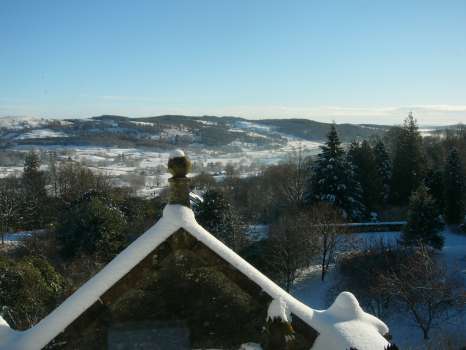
(399, 121)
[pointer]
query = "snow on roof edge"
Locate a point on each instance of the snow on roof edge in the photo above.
(335, 325)
(48, 328)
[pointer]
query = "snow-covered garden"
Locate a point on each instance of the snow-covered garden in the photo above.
(312, 291)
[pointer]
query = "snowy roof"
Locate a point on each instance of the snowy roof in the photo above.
(342, 326)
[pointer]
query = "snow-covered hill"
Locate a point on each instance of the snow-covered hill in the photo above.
(180, 130)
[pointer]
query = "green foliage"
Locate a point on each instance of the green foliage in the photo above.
(203, 181)
(334, 180)
(217, 215)
(92, 225)
(384, 170)
(424, 222)
(436, 187)
(140, 214)
(29, 289)
(455, 187)
(408, 162)
(362, 157)
(34, 211)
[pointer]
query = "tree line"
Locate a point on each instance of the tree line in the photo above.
(305, 200)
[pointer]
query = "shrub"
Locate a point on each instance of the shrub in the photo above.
(29, 290)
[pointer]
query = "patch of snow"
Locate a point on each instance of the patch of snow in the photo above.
(312, 291)
(345, 325)
(257, 232)
(10, 171)
(252, 126)
(250, 346)
(22, 122)
(278, 309)
(177, 153)
(206, 122)
(142, 123)
(40, 134)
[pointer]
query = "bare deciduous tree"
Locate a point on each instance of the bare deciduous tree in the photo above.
(325, 222)
(425, 287)
(292, 246)
(297, 172)
(10, 203)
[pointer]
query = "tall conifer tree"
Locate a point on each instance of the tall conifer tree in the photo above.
(436, 186)
(408, 163)
(34, 193)
(384, 170)
(454, 188)
(216, 214)
(362, 157)
(334, 179)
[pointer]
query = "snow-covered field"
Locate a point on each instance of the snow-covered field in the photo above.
(121, 162)
(40, 133)
(311, 291)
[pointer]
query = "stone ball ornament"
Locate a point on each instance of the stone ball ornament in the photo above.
(179, 165)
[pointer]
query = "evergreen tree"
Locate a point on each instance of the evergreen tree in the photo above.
(29, 288)
(424, 223)
(216, 214)
(34, 193)
(92, 225)
(384, 170)
(435, 185)
(454, 188)
(334, 179)
(408, 163)
(362, 157)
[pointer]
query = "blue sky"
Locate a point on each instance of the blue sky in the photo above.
(347, 60)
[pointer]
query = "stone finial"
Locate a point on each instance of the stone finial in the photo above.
(179, 166)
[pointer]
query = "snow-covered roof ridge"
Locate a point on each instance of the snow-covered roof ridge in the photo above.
(342, 326)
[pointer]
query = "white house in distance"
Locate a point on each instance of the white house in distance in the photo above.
(342, 326)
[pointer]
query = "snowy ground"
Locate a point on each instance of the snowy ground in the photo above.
(17, 237)
(121, 162)
(310, 290)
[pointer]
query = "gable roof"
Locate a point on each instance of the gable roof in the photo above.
(342, 326)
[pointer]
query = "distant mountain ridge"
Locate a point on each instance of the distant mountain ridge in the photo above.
(166, 130)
